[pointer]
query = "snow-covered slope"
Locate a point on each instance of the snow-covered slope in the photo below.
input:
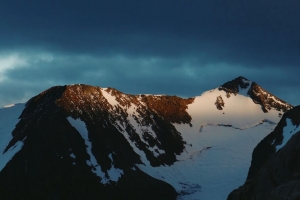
(201, 146)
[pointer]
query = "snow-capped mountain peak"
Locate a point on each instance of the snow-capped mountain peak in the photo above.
(245, 87)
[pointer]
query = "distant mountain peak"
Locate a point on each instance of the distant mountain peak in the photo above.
(242, 85)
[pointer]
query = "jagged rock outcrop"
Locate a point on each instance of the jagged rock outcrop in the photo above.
(219, 103)
(275, 166)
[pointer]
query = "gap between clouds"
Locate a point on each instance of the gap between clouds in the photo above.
(25, 74)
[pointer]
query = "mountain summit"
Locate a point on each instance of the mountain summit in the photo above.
(256, 93)
(80, 141)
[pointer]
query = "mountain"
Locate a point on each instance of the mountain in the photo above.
(85, 142)
(274, 171)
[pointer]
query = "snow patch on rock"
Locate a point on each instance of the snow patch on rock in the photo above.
(288, 131)
(9, 118)
(81, 128)
(113, 173)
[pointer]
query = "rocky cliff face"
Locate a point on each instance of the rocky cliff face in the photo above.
(275, 167)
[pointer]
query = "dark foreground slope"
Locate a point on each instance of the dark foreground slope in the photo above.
(46, 167)
(275, 168)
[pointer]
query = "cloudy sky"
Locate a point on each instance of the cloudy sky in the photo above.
(178, 47)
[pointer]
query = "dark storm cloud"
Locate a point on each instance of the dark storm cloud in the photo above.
(178, 47)
(256, 31)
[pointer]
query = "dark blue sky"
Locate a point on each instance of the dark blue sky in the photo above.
(179, 47)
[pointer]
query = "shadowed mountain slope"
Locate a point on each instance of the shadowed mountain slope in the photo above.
(274, 171)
